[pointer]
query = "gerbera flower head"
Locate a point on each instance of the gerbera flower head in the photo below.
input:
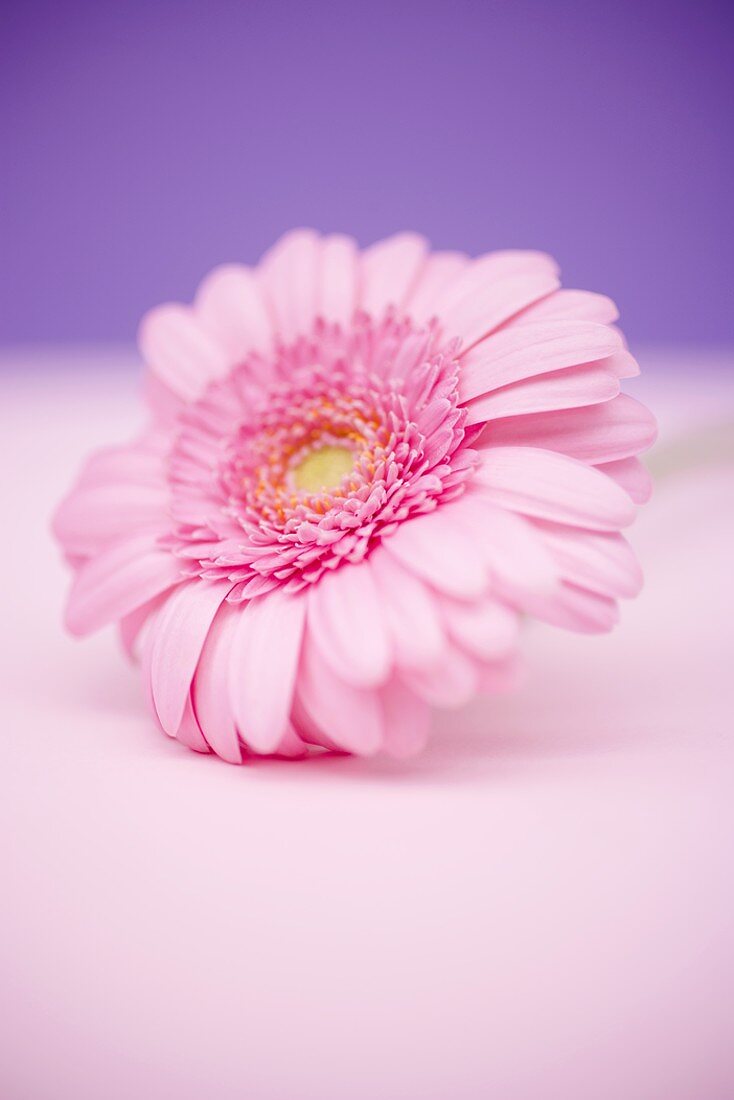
(362, 471)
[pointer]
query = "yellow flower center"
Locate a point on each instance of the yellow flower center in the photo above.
(323, 468)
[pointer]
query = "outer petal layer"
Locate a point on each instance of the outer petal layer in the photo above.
(551, 486)
(263, 660)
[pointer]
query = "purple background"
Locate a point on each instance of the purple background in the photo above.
(145, 142)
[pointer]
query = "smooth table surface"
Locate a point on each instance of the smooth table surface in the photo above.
(539, 907)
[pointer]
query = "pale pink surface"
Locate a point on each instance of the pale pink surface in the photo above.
(487, 464)
(539, 907)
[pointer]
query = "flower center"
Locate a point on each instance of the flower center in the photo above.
(322, 468)
(296, 464)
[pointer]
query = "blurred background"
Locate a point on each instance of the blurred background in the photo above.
(144, 143)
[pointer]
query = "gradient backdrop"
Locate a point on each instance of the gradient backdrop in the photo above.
(145, 142)
(541, 906)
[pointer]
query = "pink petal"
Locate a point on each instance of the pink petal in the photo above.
(486, 630)
(348, 716)
(180, 631)
(407, 719)
(304, 725)
(117, 581)
(492, 269)
(623, 364)
(601, 561)
(338, 298)
(389, 270)
(179, 352)
(490, 305)
(452, 683)
(410, 357)
(264, 657)
(564, 389)
(492, 289)
(289, 277)
(132, 625)
(290, 746)
(512, 549)
(576, 609)
(165, 405)
(346, 620)
(432, 547)
(210, 688)
(140, 463)
(410, 612)
(230, 307)
(440, 271)
(601, 433)
(633, 477)
(188, 733)
(533, 349)
(89, 517)
(576, 305)
(551, 486)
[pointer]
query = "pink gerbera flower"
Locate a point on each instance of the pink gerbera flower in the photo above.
(362, 471)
